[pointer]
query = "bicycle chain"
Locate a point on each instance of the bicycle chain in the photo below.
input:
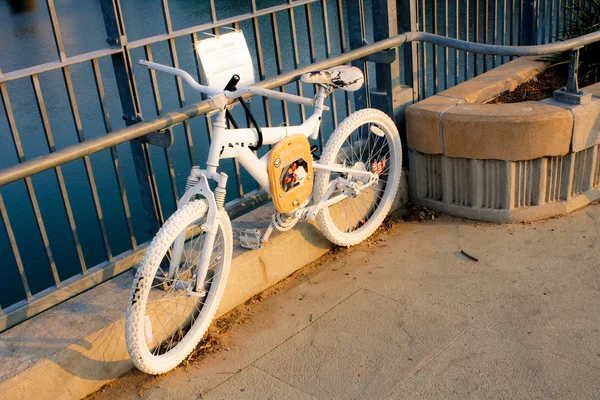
(282, 222)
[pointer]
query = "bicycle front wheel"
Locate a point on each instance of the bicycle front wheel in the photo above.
(366, 140)
(165, 317)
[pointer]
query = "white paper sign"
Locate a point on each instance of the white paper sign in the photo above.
(223, 56)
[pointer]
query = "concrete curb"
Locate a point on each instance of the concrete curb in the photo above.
(518, 215)
(77, 347)
(89, 360)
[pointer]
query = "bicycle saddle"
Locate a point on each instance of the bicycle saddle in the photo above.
(342, 77)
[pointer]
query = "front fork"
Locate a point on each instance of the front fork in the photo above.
(216, 202)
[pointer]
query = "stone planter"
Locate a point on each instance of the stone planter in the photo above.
(503, 162)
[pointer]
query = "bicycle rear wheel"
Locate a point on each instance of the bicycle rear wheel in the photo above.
(367, 140)
(164, 320)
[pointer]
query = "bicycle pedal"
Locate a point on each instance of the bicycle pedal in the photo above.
(251, 239)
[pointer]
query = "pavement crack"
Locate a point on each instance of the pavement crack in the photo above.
(407, 304)
(308, 325)
(569, 358)
(284, 382)
(433, 357)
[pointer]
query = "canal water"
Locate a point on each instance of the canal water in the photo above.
(26, 40)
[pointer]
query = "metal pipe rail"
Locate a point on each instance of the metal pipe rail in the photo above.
(77, 151)
(496, 50)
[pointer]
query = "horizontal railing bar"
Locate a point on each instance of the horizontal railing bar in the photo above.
(38, 69)
(210, 25)
(43, 163)
(115, 138)
(538, 50)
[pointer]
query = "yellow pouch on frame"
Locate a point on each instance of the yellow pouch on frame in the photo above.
(290, 172)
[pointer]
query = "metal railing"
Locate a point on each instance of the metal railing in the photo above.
(502, 22)
(383, 55)
(156, 176)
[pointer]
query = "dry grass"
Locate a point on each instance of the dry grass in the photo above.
(416, 213)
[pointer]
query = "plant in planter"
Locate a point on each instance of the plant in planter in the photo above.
(586, 19)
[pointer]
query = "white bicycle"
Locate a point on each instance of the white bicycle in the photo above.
(349, 189)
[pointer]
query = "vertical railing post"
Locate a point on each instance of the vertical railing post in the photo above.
(121, 61)
(390, 95)
(385, 24)
(529, 22)
(356, 39)
(572, 84)
(571, 94)
(408, 18)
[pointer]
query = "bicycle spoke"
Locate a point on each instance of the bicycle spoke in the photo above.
(365, 150)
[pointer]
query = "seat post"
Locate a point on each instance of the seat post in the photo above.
(321, 96)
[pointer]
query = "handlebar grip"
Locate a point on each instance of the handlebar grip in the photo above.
(231, 85)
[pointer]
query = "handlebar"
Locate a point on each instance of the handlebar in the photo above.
(182, 74)
(229, 95)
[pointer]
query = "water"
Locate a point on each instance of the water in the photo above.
(26, 40)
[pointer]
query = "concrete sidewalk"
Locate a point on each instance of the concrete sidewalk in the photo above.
(409, 316)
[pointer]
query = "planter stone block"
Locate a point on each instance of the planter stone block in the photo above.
(423, 123)
(504, 162)
(593, 89)
(586, 125)
(520, 131)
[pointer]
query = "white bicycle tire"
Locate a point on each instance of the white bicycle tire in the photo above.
(330, 153)
(135, 321)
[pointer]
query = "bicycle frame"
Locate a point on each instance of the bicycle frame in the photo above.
(235, 143)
